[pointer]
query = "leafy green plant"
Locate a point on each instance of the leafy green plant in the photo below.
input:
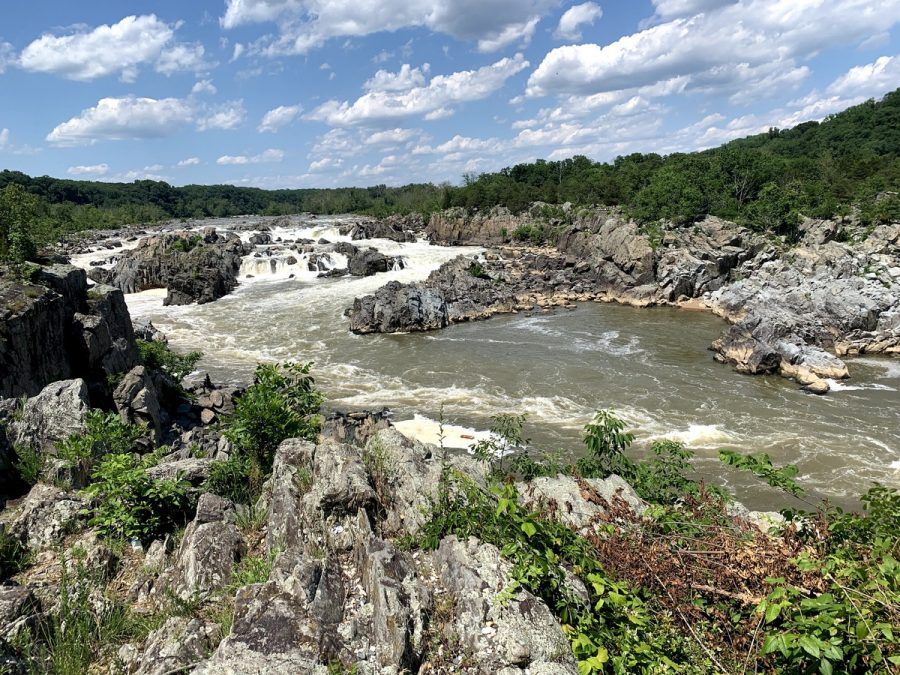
(505, 437)
(30, 463)
(158, 356)
(106, 434)
(132, 505)
(252, 570)
(606, 441)
(14, 556)
(282, 403)
(238, 478)
(760, 465)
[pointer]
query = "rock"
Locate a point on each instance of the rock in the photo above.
(355, 428)
(523, 634)
(194, 470)
(381, 229)
(145, 330)
(19, 611)
(577, 503)
(138, 401)
(458, 227)
(178, 645)
(400, 604)
(45, 516)
(214, 509)
(194, 268)
(205, 560)
(57, 412)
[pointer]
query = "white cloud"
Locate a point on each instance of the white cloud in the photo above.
(279, 117)
(870, 80)
(123, 119)
(238, 50)
(225, 116)
(434, 100)
(746, 34)
(94, 169)
(404, 80)
(7, 56)
(671, 9)
(87, 54)
(325, 164)
(575, 17)
(204, 87)
(190, 161)
(267, 156)
(391, 136)
(306, 24)
(182, 57)
(4, 138)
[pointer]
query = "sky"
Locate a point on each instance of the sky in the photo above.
(323, 93)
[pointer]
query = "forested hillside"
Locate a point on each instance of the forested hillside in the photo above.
(849, 161)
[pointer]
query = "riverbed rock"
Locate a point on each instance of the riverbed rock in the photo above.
(194, 268)
(381, 229)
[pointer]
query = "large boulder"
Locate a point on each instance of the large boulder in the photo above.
(45, 517)
(57, 412)
(137, 400)
(519, 634)
(396, 308)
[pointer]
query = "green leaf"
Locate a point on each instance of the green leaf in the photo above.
(772, 612)
(529, 529)
(810, 646)
(825, 667)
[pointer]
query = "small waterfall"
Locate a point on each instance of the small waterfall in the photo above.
(281, 265)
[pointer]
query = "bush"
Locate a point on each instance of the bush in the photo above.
(106, 434)
(13, 555)
(131, 504)
(29, 463)
(282, 403)
(158, 356)
(238, 478)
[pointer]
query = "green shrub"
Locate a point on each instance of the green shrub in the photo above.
(14, 555)
(158, 356)
(30, 463)
(106, 434)
(282, 403)
(132, 505)
(606, 441)
(238, 478)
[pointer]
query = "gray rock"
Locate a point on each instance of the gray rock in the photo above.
(19, 611)
(45, 516)
(521, 633)
(194, 470)
(137, 400)
(179, 644)
(57, 412)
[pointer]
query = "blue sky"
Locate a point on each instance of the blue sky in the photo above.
(303, 93)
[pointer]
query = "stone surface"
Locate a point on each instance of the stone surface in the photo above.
(57, 412)
(138, 401)
(45, 516)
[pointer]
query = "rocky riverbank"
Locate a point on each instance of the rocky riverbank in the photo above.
(795, 310)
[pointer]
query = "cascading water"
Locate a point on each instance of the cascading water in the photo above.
(651, 365)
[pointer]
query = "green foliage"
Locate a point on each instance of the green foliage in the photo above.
(505, 437)
(158, 356)
(662, 479)
(238, 478)
(252, 570)
(18, 211)
(14, 555)
(606, 441)
(106, 434)
(613, 631)
(534, 233)
(282, 403)
(85, 624)
(761, 466)
(132, 505)
(29, 463)
(187, 244)
(849, 625)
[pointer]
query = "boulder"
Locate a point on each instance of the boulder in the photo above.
(138, 401)
(57, 412)
(45, 517)
(178, 645)
(520, 634)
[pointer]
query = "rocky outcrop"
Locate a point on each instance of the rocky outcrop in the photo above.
(457, 226)
(193, 267)
(57, 412)
(393, 229)
(53, 329)
(364, 262)
(44, 517)
(138, 401)
(794, 314)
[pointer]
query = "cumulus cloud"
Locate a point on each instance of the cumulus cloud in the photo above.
(228, 115)
(86, 54)
(190, 161)
(745, 34)
(204, 87)
(4, 138)
(391, 136)
(325, 164)
(575, 17)
(94, 170)
(7, 56)
(407, 78)
(306, 24)
(126, 118)
(266, 156)
(279, 117)
(670, 9)
(872, 79)
(433, 101)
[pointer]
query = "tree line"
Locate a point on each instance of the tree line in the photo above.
(850, 162)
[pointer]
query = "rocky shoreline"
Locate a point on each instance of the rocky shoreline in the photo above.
(795, 311)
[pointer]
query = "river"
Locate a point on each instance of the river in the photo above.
(651, 365)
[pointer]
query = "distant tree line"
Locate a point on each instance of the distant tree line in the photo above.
(849, 161)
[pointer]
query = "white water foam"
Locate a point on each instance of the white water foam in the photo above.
(427, 430)
(835, 386)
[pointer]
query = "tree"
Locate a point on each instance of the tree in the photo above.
(18, 212)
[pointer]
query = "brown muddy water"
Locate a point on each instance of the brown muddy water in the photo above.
(651, 365)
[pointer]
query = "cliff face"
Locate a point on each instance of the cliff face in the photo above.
(54, 328)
